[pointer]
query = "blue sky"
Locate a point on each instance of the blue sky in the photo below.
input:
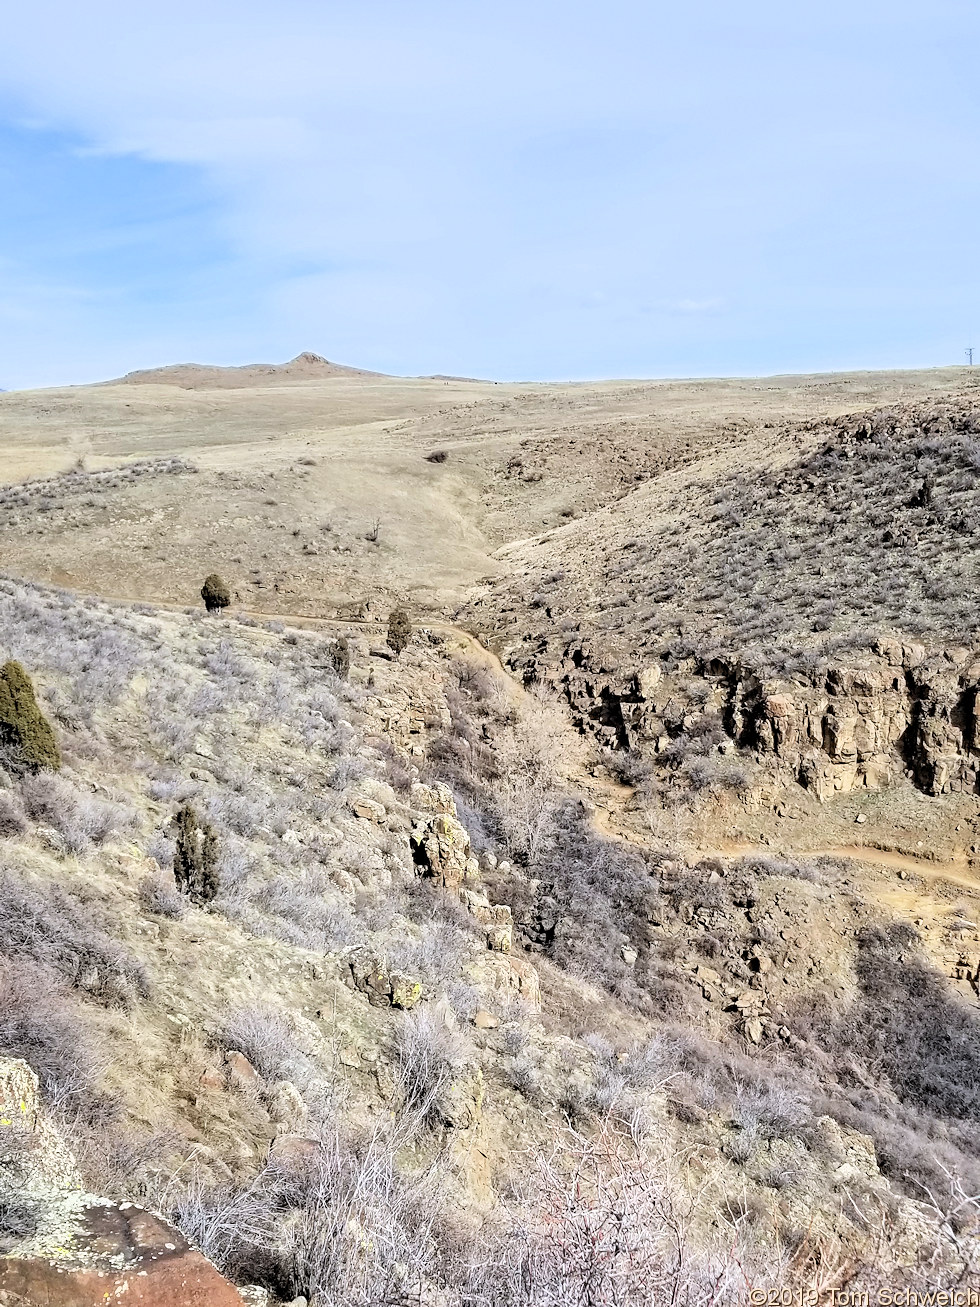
(511, 190)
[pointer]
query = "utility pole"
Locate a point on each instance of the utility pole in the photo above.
(969, 357)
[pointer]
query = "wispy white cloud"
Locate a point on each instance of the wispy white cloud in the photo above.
(525, 188)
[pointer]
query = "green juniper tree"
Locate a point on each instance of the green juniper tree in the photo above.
(215, 593)
(195, 857)
(399, 631)
(27, 742)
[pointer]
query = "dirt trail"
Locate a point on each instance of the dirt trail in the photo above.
(959, 871)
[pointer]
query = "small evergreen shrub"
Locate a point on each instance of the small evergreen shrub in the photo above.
(27, 741)
(399, 631)
(215, 593)
(195, 857)
(338, 657)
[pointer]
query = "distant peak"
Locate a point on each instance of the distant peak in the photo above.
(305, 367)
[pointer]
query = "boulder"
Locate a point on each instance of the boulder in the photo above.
(292, 1151)
(212, 1079)
(68, 1248)
(441, 849)
(496, 917)
(367, 809)
(367, 972)
(754, 1030)
(507, 977)
(89, 1252)
(287, 1109)
(460, 1103)
(240, 1070)
(433, 798)
(405, 992)
(33, 1155)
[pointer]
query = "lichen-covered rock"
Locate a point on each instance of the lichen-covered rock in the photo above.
(496, 917)
(460, 1104)
(405, 992)
(34, 1158)
(507, 977)
(441, 849)
(368, 809)
(68, 1248)
(433, 798)
(89, 1252)
(367, 972)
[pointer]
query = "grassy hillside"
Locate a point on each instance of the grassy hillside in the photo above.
(651, 907)
(329, 1052)
(848, 527)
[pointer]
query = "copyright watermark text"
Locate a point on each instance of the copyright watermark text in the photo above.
(895, 1296)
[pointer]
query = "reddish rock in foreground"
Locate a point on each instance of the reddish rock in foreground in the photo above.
(67, 1248)
(113, 1254)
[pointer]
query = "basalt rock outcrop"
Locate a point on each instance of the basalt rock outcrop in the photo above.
(442, 853)
(369, 973)
(861, 720)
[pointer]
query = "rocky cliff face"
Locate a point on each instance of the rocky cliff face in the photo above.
(860, 721)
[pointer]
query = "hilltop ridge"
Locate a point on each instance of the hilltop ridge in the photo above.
(306, 366)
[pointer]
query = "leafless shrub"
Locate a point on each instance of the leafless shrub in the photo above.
(764, 865)
(42, 923)
(42, 1023)
(129, 1162)
(346, 1228)
(158, 894)
(599, 1222)
(772, 1110)
(18, 1220)
(12, 818)
(161, 850)
(80, 819)
(524, 1074)
(265, 1036)
(347, 772)
(309, 913)
(428, 1056)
